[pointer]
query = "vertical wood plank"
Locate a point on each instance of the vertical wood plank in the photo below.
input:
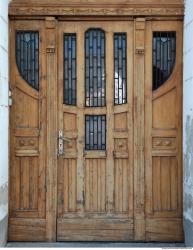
(165, 183)
(87, 185)
(156, 184)
(125, 185)
(51, 198)
(99, 184)
(110, 122)
(103, 185)
(174, 181)
(33, 183)
(95, 185)
(80, 120)
(17, 182)
(66, 184)
(139, 79)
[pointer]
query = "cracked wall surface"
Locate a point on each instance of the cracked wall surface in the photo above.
(4, 110)
(188, 123)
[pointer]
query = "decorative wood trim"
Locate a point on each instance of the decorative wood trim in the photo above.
(94, 11)
(139, 182)
(51, 197)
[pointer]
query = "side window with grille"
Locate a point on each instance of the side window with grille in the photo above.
(27, 56)
(70, 76)
(164, 56)
(120, 68)
(95, 75)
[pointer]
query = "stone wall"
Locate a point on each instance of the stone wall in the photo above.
(188, 123)
(4, 109)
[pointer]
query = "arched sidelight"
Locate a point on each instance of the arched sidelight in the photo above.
(164, 56)
(27, 56)
(95, 75)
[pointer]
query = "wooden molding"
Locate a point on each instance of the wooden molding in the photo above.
(33, 11)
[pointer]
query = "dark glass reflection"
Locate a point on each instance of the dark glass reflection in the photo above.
(27, 56)
(70, 69)
(95, 131)
(164, 56)
(95, 68)
(120, 68)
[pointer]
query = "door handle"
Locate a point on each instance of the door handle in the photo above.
(61, 141)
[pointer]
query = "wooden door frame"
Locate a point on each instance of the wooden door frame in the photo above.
(137, 12)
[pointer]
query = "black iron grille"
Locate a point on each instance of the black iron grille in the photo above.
(164, 56)
(95, 68)
(95, 132)
(27, 56)
(120, 68)
(70, 69)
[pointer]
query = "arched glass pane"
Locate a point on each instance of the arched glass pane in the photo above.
(120, 68)
(27, 56)
(95, 75)
(164, 56)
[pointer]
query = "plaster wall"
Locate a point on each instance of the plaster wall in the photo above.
(188, 123)
(4, 110)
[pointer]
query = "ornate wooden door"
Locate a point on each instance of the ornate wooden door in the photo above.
(96, 130)
(95, 110)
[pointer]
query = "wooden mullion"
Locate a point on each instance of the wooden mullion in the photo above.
(51, 198)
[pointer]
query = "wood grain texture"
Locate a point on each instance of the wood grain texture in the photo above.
(124, 192)
(27, 150)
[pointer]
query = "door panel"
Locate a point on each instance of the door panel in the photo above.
(164, 137)
(95, 192)
(27, 132)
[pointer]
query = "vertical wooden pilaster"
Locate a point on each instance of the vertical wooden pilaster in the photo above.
(139, 77)
(51, 174)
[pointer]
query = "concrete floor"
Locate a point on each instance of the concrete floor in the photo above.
(95, 244)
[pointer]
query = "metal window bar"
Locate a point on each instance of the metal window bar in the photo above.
(164, 56)
(95, 73)
(70, 70)
(95, 132)
(27, 56)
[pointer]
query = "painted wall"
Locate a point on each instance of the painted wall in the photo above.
(3, 120)
(188, 123)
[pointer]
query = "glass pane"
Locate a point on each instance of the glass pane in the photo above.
(164, 56)
(70, 69)
(95, 68)
(120, 68)
(95, 131)
(27, 56)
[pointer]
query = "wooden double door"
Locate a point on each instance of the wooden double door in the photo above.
(96, 130)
